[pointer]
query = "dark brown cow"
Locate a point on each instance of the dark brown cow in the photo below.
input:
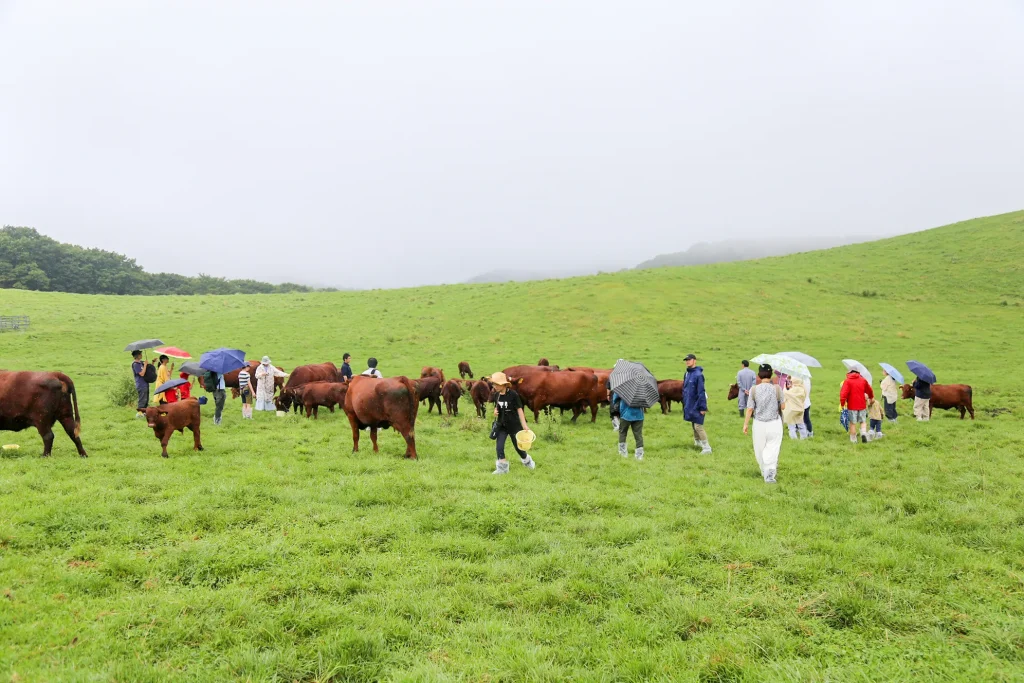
(379, 404)
(451, 392)
(734, 392)
(543, 362)
(601, 396)
(540, 388)
(481, 392)
(316, 394)
(464, 370)
(231, 379)
(304, 374)
(40, 399)
(946, 397)
(669, 390)
(171, 417)
(429, 389)
(430, 371)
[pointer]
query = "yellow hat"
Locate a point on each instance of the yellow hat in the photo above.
(499, 378)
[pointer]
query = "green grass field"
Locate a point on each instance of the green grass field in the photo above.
(278, 555)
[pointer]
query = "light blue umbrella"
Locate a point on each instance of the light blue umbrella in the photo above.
(893, 372)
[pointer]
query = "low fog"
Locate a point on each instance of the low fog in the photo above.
(394, 144)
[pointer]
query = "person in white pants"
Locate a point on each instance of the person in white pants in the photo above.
(766, 405)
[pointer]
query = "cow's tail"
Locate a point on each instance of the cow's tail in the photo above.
(69, 388)
(413, 403)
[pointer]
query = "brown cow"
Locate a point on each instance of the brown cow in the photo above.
(565, 388)
(481, 392)
(946, 397)
(669, 390)
(304, 374)
(169, 417)
(316, 394)
(734, 392)
(465, 370)
(601, 396)
(39, 399)
(429, 389)
(543, 362)
(451, 392)
(379, 404)
(430, 371)
(231, 379)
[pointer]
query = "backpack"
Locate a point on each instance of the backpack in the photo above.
(150, 374)
(210, 381)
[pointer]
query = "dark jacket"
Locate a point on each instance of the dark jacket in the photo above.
(694, 397)
(922, 389)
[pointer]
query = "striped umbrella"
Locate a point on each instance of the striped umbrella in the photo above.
(634, 384)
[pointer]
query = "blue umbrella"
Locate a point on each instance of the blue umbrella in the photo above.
(222, 360)
(893, 372)
(921, 371)
(170, 384)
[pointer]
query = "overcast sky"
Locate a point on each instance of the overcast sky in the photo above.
(379, 144)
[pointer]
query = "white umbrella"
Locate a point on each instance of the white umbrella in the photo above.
(852, 365)
(809, 361)
(784, 364)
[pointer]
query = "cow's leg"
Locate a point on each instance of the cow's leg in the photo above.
(373, 436)
(593, 411)
(963, 411)
(355, 433)
(164, 441)
(69, 427)
(970, 408)
(197, 442)
(316, 412)
(410, 443)
(46, 432)
(332, 408)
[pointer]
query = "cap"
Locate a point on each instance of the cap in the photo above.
(690, 356)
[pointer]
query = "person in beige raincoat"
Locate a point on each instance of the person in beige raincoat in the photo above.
(793, 416)
(265, 375)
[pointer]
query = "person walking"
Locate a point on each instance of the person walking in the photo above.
(874, 420)
(766, 407)
(695, 402)
(371, 369)
(793, 416)
(854, 396)
(266, 375)
(922, 400)
(629, 418)
(510, 420)
(346, 368)
(141, 385)
(213, 382)
(163, 374)
(890, 389)
(745, 380)
(245, 391)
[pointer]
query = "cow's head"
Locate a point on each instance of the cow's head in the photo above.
(155, 417)
(734, 392)
(908, 391)
(284, 401)
(543, 361)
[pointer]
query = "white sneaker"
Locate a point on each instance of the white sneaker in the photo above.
(501, 467)
(705, 448)
(529, 463)
(138, 415)
(639, 454)
(696, 442)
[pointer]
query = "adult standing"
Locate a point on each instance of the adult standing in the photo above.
(766, 407)
(695, 402)
(508, 409)
(890, 389)
(163, 374)
(922, 400)
(853, 396)
(141, 385)
(346, 368)
(745, 380)
(629, 418)
(265, 374)
(213, 382)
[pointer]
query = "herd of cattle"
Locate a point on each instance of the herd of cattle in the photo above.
(43, 399)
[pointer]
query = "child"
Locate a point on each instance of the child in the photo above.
(245, 390)
(793, 416)
(874, 420)
(185, 390)
(889, 396)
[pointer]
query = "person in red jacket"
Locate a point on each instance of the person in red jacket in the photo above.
(854, 397)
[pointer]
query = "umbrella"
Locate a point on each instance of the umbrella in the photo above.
(143, 344)
(852, 365)
(173, 352)
(191, 369)
(921, 371)
(783, 364)
(170, 384)
(222, 360)
(634, 384)
(893, 372)
(809, 361)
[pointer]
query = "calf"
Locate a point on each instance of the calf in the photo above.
(326, 394)
(946, 397)
(450, 393)
(481, 392)
(429, 389)
(464, 370)
(169, 417)
(379, 404)
(430, 371)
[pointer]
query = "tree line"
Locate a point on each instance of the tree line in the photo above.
(29, 260)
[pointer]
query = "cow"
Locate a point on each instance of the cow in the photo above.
(541, 388)
(428, 389)
(947, 396)
(170, 417)
(481, 392)
(379, 404)
(231, 379)
(316, 394)
(430, 371)
(543, 362)
(669, 390)
(601, 395)
(734, 392)
(304, 374)
(451, 392)
(40, 399)
(464, 370)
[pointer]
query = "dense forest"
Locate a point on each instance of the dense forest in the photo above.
(29, 260)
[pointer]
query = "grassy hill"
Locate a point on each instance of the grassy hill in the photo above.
(277, 554)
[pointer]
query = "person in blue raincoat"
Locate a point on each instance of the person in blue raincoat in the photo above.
(695, 402)
(629, 418)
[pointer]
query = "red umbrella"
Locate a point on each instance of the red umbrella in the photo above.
(173, 352)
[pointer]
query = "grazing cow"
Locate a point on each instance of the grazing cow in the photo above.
(430, 371)
(40, 399)
(482, 393)
(171, 417)
(316, 394)
(379, 404)
(464, 370)
(231, 379)
(669, 390)
(429, 389)
(946, 397)
(734, 392)
(451, 392)
(540, 388)
(304, 374)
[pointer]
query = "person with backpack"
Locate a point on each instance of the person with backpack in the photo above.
(214, 383)
(371, 369)
(144, 374)
(629, 418)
